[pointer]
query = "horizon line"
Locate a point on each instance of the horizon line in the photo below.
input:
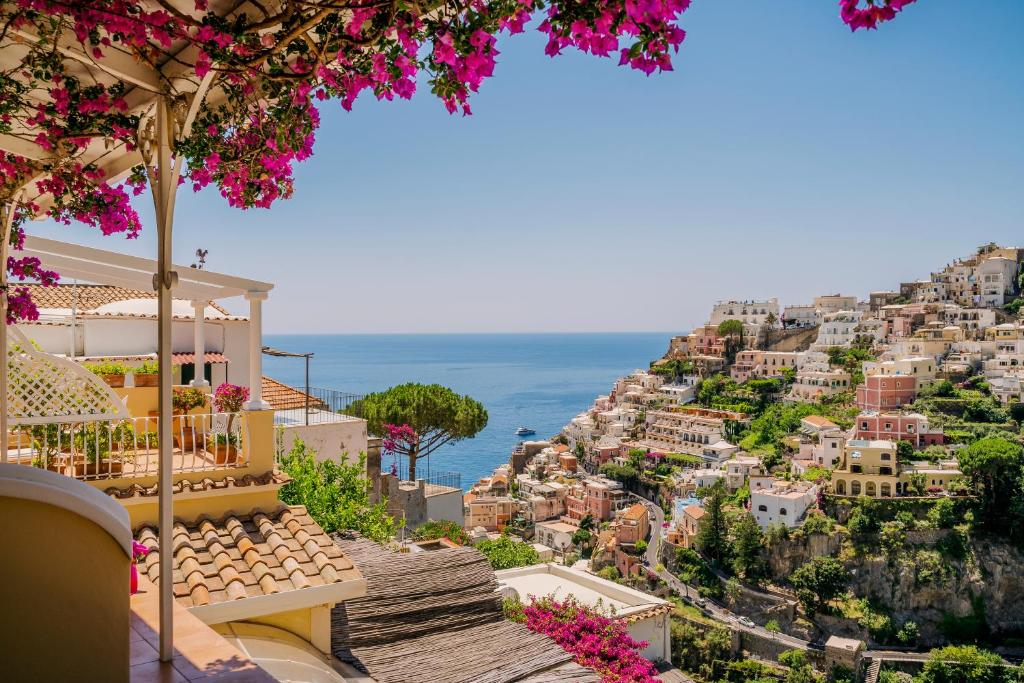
(467, 333)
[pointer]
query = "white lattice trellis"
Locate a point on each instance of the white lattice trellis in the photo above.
(44, 389)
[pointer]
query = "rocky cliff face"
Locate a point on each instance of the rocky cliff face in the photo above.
(784, 557)
(983, 588)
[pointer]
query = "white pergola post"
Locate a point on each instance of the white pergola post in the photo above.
(256, 401)
(199, 309)
(163, 186)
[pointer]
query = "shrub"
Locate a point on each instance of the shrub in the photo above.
(818, 523)
(505, 553)
(336, 495)
(435, 529)
(593, 639)
(908, 633)
(773, 626)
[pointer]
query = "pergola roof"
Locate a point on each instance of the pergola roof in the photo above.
(144, 81)
(111, 268)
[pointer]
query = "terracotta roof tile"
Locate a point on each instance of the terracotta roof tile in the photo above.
(636, 511)
(88, 297)
(283, 397)
(205, 484)
(239, 556)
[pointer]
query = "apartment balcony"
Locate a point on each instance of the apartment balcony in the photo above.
(108, 450)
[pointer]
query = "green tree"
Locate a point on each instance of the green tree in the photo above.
(818, 523)
(732, 331)
(436, 414)
(943, 514)
(336, 495)
(964, 664)
(904, 451)
(994, 467)
(746, 547)
(713, 536)
(818, 581)
(505, 553)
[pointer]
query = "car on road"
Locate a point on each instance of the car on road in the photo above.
(700, 602)
(746, 621)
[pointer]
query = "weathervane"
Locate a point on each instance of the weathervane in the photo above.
(201, 255)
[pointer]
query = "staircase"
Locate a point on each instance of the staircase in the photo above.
(872, 673)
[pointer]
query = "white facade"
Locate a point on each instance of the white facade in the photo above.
(748, 312)
(785, 502)
(838, 329)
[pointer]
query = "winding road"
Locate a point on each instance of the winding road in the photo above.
(716, 610)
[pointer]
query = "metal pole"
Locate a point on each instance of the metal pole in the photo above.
(163, 190)
(307, 389)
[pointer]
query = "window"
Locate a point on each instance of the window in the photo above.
(782, 511)
(886, 456)
(762, 508)
(888, 426)
(864, 425)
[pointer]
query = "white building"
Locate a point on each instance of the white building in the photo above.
(838, 329)
(748, 312)
(646, 616)
(555, 535)
(783, 501)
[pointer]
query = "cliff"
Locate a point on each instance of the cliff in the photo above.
(975, 590)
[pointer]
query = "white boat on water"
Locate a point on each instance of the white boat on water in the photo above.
(525, 431)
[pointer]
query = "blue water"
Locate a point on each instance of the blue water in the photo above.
(537, 380)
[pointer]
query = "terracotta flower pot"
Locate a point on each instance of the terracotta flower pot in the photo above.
(147, 380)
(115, 381)
(223, 453)
(106, 467)
(182, 429)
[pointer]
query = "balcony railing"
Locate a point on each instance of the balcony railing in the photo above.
(111, 449)
(322, 406)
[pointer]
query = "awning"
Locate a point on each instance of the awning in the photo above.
(186, 358)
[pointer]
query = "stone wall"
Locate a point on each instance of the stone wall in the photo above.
(791, 340)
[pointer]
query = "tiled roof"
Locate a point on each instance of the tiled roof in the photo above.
(283, 397)
(209, 357)
(636, 511)
(205, 484)
(695, 511)
(242, 556)
(88, 297)
(652, 611)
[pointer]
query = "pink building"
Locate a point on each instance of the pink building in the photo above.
(912, 427)
(884, 392)
(633, 524)
(599, 497)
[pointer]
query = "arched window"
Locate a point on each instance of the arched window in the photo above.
(855, 488)
(782, 511)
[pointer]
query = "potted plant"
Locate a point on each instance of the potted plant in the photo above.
(111, 372)
(147, 374)
(228, 398)
(92, 450)
(183, 401)
(53, 444)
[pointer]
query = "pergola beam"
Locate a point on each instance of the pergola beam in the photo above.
(118, 64)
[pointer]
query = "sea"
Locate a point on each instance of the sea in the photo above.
(540, 381)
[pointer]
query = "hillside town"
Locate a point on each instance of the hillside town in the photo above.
(773, 434)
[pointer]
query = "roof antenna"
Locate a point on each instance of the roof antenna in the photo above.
(201, 255)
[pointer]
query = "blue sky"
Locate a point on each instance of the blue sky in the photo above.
(783, 157)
